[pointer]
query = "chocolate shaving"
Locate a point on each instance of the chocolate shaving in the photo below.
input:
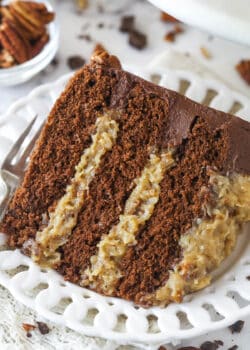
(188, 348)
(137, 39)
(236, 327)
(208, 345)
(75, 62)
(127, 24)
(43, 327)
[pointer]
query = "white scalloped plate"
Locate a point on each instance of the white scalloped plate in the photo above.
(225, 301)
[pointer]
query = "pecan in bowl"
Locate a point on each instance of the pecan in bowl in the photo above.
(23, 31)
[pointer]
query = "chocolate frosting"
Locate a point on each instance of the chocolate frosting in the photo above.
(182, 115)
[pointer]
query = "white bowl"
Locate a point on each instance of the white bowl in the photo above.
(25, 71)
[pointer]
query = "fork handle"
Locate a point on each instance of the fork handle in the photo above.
(4, 202)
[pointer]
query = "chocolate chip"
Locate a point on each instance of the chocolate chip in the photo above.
(28, 335)
(100, 25)
(43, 328)
(208, 345)
(137, 39)
(127, 23)
(76, 62)
(236, 327)
(235, 347)
(248, 278)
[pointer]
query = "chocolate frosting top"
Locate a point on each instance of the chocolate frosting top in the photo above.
(182, 114)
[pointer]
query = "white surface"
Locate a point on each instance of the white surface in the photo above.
(224, 57)
(168, 326)
(227, 18)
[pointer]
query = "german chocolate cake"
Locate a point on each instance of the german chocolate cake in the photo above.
(132, 190)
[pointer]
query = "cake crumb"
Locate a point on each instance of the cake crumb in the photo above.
(237, 327)
(205, 53)
(166, 17)
(243, 68)
(43, 327)
(137, 39)
(171, 36)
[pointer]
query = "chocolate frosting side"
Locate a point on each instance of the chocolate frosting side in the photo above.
(182, 115)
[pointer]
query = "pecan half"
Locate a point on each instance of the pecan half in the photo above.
(12, 41)
(6, 60)
(39, 45)
(243, 68)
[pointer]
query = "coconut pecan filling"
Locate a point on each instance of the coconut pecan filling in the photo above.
(209, 241)
(64, 218)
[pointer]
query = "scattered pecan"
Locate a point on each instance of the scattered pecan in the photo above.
(243, 68)
(171, 36)
(165, 17)
(28, 328)
(205, 52)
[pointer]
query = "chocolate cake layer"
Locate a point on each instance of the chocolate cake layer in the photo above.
(124, 174)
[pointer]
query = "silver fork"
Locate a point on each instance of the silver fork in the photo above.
(14, 164)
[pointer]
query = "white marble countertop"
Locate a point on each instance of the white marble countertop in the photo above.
(225, 55)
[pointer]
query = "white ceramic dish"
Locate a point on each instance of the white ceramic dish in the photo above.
(221, 304)
(25, 71)
(229, 19)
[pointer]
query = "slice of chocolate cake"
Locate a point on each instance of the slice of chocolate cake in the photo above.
(132, 190)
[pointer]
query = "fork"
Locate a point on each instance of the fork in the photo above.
(14, 164)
